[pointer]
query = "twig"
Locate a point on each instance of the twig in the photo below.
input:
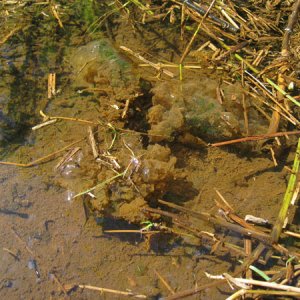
(278, 107)
(272, 285)
(292, 21)
(183, 294)
(56, 16)
(13, 254)
(207, 235)
(229, 211)
(131, 231)
(249, 65)
(293, 234)
(232, 50)
(51, 85)
(188, 47)
(206, 13)
(142, 7)
(212, 219)
(46, 117)
(248, 251)
(255, 138)
(93, 142)
(228, 17)
(194, 291)
(274, 123)
(164, 282)
(125, 110)
(155, 66)
(52, 121)
(22, 242)
(61, 286)
(273, 157)
(41, 159)
(67, 157)
(100, 185)
(105, 290)
(10, 34)
(242, 292)
(245, 113)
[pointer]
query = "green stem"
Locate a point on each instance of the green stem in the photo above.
(277, 228)
(100, 185)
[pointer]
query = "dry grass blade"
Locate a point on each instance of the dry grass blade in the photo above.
(272, 285)
(41, 159)
(158, 67)
(255, 138)
(10, 34)
(70, 287)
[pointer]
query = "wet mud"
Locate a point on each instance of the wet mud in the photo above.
(152, 139)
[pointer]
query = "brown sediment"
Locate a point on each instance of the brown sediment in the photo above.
(152, 142)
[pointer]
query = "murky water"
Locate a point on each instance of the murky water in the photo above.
(48, 239)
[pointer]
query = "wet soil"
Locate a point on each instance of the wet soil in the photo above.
(63, 243)
(41, 221)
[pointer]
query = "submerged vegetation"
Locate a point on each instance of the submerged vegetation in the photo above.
(142, 94)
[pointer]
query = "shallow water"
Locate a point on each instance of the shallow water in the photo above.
(47, 237)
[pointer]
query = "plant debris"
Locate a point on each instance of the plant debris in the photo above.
(163, 84)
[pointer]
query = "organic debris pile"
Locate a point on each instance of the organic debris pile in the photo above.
(175, 78)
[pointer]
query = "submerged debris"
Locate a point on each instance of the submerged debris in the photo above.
(205, 72)
(192, 107)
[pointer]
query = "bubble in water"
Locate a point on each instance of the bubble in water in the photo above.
(7, 283)
(78, 157)
(51, 276)
(146, 174)
(69, 195)
(230, 120)
(31, 264)
(68, 170)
